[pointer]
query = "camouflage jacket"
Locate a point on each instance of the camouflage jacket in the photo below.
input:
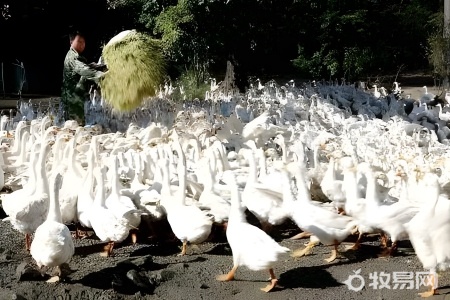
(75, 86)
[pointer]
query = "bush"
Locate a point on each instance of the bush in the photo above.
(194, 82)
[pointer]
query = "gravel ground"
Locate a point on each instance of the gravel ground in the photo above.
(158, 273)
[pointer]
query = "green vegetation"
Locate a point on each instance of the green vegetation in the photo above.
(321, 39)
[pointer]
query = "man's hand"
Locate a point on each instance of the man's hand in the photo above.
(98, 67)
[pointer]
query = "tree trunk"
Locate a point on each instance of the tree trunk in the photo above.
(228, 85)
(446, 33)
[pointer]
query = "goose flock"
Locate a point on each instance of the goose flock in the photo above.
(335, 159)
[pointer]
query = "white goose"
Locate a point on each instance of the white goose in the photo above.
(22, 157)
(251, 247)
(443, 116)
(122, 206)
(18, 137)
(27, 213)
(265, 204)
(209, 199)
(71, 185)
(105, 224)
(28, 180)
(328, 226)
(332, 186)
(52, 245)
(376, 93)
(428, 232)
(426, 97)
(86, 194)
(14, 156)
(188, 223)
(389, 218)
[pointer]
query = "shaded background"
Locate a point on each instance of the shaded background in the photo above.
(320, 39)
(39, 38)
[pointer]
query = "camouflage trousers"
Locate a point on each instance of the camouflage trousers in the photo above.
(73, 109)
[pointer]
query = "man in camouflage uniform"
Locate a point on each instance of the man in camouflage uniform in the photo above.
(76, 76)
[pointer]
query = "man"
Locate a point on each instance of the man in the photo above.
(76, 76)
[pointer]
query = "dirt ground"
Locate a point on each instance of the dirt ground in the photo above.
(152, 270)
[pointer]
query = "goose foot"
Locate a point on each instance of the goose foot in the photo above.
(54, 279)
(183, 249)
(389, 251)
(357, 244)
(384, 241)
(27, 241)
(428, 293)
(301, 235)
(306, 251)
(133, 236)
(80, 232)
(227, 277)
(341, 211)
(334, 253)
(273, 282)
(393, 249)
(432, 283)
(107, 250)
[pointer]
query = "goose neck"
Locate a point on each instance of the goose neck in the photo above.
(252, 167)
(44, 123)
(236, 213)
(165, 189)
(262, 162)
(73, 158)
(137, 168)
(350, 183)
(371, 192)
(54, 211)
(115, 184)
(45, 134)
(288, 198)
(89, 179)
(23, 146)
(194, 143)
(218, 160)
(316, 156)
(303, 194)
(18, 135)
(34, 160)
(182, 183)
(42, 181)
(283, 149)
(208, 181)
(404, 193)
(100, 198)
(333, 168)
(223, 155)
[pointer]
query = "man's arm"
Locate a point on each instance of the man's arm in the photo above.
(86, 71)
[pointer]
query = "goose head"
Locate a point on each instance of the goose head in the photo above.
(71, 124)
(347, 163)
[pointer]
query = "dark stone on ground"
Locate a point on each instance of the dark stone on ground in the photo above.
(28, 272)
